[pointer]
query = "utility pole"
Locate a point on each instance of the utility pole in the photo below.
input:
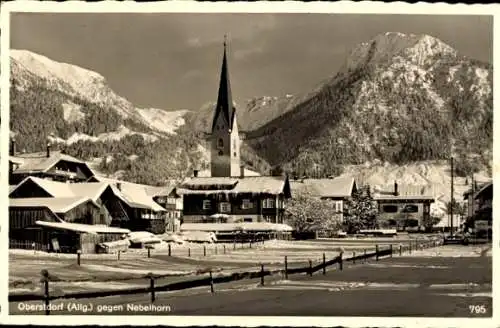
(452, 199)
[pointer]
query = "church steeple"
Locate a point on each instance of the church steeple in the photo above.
(225, 143)
(224, 98)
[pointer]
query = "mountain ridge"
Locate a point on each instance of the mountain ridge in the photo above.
(401, 101)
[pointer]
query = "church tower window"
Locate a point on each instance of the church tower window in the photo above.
(220, 143)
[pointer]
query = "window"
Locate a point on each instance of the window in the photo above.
(412, 223)
(338, 206)
(225, 207)
(207, 204)
(220, 143)
(221, 153)
(268, 203)
(410, 209)
(234, 154)
(246, 204)
(269, 218)
(247, 220)
(390, 209)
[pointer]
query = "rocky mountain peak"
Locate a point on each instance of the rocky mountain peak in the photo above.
(418, 49)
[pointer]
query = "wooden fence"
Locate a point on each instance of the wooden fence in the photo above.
(261, 273)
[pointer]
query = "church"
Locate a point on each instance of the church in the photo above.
(228, 199)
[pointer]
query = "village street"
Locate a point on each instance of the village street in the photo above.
(455, 284)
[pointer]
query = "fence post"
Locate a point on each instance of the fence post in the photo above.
(189, 251)
(286, 267)
(149, 252)
(376, 252)
(324, 264)
(353, 257)
(310, 268)
(119, 252)
(400, 249)
(364, 260)
(78, 254)
(341, 264)
(250, 242)
(409, 247)
(262, 274)
(45, 281)
(391, 250)
(211, 283)
(33, 245)
(169, 250)
(152, 286)
(234, 244)
(215, 249)
(224, 246)
(204, 250)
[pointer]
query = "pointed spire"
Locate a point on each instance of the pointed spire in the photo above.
(224, 99)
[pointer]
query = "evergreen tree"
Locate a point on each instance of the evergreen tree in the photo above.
(360, 211)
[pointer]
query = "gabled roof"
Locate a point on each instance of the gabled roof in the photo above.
(39, 162)
(92, 190)
(339, 187)
(483, 189)
(136, 197)
(53, 188)
(257, 184)
(56, 205)
(86, 228)
(132, 194)
(405, 192)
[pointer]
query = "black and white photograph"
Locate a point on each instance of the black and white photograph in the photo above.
(257, 164)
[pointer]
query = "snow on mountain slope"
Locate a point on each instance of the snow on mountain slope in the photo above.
(117, 135)
(28, 67)
(162, 120)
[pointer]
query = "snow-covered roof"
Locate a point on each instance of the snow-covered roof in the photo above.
(208, 173)
(56, 205)
(258, 184)
(405, 192)
(339, 187)
(227, 227)
(86, 228)
(133, 194)
(54, 188)
(39, 162)
(136, 196)
(481, 189)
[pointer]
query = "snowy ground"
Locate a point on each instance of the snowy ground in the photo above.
(399, 286)
(187, 261)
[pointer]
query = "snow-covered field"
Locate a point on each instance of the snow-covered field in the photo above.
(192, 259)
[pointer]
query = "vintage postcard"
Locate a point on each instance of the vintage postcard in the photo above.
(292, 163)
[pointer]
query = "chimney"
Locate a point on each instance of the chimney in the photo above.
(12, 147)
(195, 173)
(396, 192)
(242, 171)
(48, 149)
(119, 186)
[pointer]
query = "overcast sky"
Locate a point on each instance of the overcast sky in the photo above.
(172, 61)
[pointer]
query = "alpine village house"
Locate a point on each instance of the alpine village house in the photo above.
(57, 203)
(228, 202)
